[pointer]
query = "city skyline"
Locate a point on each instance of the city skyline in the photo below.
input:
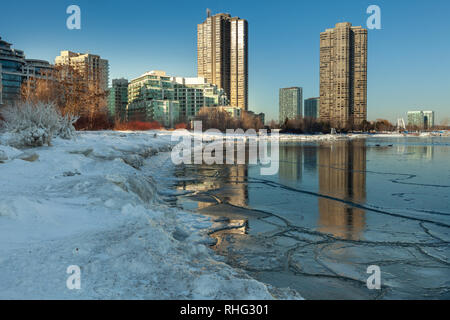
(392, 49)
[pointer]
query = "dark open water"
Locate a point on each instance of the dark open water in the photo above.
(332, 210)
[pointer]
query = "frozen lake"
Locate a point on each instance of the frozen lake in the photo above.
(334, 209)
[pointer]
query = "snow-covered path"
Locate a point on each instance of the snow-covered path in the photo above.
(87, 202)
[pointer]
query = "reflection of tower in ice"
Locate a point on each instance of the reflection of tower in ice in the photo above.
(420, 152)
(416, 151)
(342, 174)
(290, 163)
(236, 190)
(228, 182)
(310, 159)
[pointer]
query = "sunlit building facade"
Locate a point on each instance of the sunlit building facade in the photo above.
(239, 63)
(151, 97)
(91, 66)
(343, 75)
(222, 55)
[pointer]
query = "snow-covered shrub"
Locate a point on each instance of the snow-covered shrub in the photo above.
(35, 124)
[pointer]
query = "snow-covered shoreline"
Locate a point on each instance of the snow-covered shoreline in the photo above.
(93, 202)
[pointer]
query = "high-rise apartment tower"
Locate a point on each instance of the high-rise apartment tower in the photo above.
(343, 75)
(222, 55)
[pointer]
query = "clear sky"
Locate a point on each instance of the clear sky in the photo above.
(409, 61)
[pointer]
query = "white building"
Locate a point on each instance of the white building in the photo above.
(421, 119)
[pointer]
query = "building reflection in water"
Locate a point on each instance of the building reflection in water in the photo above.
(290, 168)
(227, 182)
(418, 152)
(310, 159)
(342, 174)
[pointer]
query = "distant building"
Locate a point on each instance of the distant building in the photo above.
(421, 119)
(222, 55)
(343, 75)
(312, 106)
(261, 116)
(235, 112)
(290, 103)
(428, 119)
(94, 68)
(118, 99)
(196, 93)
(15, 69)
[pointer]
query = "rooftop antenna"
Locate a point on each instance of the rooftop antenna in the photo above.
(208, 13)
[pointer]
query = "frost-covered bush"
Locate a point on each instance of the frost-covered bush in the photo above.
(35, 124)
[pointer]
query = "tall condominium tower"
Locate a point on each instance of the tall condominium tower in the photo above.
(222, 55)
(343, 75)
(291, 102)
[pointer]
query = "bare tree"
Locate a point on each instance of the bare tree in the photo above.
(72, 93)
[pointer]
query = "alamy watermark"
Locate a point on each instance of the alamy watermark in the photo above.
(74, 280)
(374, 20)
(208, 147)
(374, 280)
(74, 20)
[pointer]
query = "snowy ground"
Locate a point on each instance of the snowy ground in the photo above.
(94, 202)
(98, 202)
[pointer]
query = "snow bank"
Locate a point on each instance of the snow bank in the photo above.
(95, 202)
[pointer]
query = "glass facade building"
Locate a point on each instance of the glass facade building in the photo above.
(312, 107)
(291, 103)
(118, 99)
(12, 62)
(15, 69)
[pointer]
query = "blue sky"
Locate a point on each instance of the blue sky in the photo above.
(409, 62)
